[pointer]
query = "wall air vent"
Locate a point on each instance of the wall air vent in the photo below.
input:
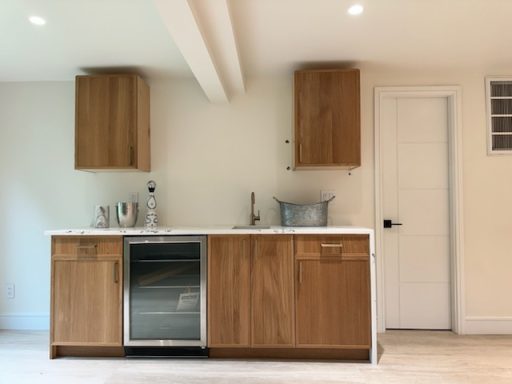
(499, 115)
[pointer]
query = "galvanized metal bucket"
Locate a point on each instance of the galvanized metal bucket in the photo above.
(303, 215)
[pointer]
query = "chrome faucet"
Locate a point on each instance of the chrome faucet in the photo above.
(254, 217)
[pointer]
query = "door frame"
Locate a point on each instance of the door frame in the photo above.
(453, 94)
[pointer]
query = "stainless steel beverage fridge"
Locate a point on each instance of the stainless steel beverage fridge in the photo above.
(165, 295)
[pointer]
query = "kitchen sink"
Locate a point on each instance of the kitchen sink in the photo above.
(251, 227)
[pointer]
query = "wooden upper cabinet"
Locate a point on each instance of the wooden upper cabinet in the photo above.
(327, 119)
(112, 123)
(229, 295)
(273, 323)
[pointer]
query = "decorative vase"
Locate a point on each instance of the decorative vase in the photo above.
(151, 220)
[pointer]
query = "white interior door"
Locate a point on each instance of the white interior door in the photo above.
(415, 193)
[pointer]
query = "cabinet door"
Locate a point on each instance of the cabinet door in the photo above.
(327, 118)
(105, 121)
(229, 267)
(333, 303)
(87, 302)
(272, 291)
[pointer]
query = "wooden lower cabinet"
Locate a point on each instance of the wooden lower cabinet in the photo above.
(297, 296)
(250, 291)
(333, 291)
(86, 296)
(289, 296)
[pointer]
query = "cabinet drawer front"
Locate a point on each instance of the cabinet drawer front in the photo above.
(87, 246)
(345, 246)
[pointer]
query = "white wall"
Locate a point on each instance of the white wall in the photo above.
(206, 159)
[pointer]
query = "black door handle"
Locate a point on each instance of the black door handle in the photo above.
(389, 223)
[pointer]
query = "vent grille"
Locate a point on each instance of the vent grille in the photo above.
(499, 114)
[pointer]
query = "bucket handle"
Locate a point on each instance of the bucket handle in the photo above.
(325, 201)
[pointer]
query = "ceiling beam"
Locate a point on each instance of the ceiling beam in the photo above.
(203, 32)
(216, 23)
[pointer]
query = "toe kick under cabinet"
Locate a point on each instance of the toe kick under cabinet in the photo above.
(289, 296)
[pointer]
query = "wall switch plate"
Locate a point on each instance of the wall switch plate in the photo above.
(326, 195)
(9, 290)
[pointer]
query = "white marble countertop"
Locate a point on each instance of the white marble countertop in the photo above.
(220, 230)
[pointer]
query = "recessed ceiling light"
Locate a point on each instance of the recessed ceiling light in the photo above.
(355, 10)
(37, 20)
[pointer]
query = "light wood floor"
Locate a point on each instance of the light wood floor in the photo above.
(410, 357)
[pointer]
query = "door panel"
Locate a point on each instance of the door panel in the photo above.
(415, 172)
(425, 305)
(422, 120)
(392, 276)
(272, 291)
(414, 141)
(105, 121)
(333, 303)
(423, 212)
(424, 259)
(87, 302)
(229, 268)
(122, 121)
(92, 121)
(327, 120)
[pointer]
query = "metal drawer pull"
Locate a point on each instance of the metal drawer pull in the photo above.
(86, 247)
(337, 245)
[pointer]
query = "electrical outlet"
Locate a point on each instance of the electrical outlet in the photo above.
(9, 290)
(326, 195)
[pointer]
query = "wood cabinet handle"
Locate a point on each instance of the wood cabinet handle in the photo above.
(300, 272)
(116, 272)
(132, 155)
(300, 152)
(331, 245)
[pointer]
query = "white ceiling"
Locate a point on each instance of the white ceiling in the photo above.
(155, 37)
(84, 34)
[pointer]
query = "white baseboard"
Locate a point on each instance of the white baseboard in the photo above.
(488, 325)
(25, 321)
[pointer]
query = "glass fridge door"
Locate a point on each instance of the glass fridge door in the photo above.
(165, 291)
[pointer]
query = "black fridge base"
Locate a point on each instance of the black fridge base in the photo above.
(172, 352)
